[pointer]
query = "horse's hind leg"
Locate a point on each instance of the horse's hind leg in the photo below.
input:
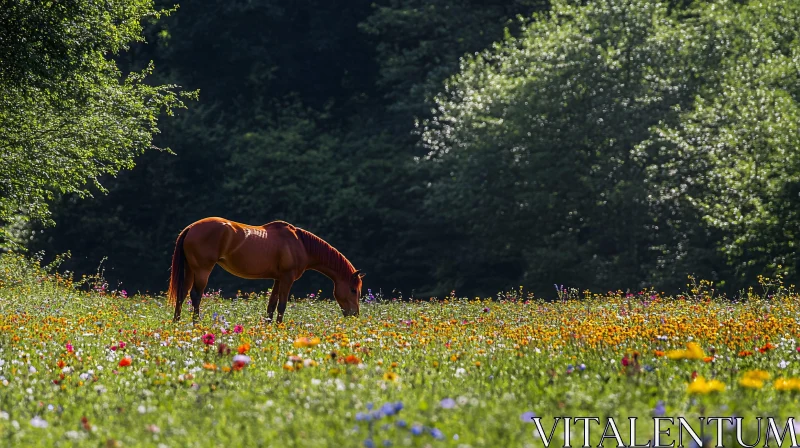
(199, 287)
(188, 279)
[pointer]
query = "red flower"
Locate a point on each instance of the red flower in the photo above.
(209, 339)
(125, 362)
(238, 329)
(766, 348)
(352, 359)
(625, 361)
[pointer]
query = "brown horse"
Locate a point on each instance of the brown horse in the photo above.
(277, 250)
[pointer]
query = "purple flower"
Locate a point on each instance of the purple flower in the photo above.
(660, 409)
(527, 417)
(388, 409)
(486, 310)
(416, 429)
(582, 367)
(437, 434)
(369, 443)
(447, 403)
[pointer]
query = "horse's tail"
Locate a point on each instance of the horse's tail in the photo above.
(176, 286)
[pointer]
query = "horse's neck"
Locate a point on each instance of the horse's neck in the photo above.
(330, 266)
(327, 271)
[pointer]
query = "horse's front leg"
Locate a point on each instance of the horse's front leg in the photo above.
(273, 301)
(283, 297)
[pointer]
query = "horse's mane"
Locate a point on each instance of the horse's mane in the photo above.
(325, 253)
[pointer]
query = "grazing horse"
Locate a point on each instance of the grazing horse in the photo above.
(277, 250)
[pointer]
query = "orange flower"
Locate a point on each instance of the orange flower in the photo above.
(352, 359)
(244, 348)
(61, 364)
(745, 353)
(708, 359)
(659, 353)
(210, 366)
(766, 348)
(125, 362)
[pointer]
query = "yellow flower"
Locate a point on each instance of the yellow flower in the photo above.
(751, 383)
(390, 376)
(761, 375)
(787, 384)
(306, 342)
(701, 386)
(693, 351)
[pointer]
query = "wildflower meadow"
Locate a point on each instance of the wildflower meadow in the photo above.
(82, 366)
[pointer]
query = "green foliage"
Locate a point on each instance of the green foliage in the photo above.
(732, 156)
(605, 144)
(545, 146)
(67, 112)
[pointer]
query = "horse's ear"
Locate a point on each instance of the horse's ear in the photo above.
(359, 273)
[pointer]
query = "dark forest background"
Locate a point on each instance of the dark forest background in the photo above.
(466, 145)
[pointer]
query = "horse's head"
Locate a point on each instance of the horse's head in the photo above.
(348, 293)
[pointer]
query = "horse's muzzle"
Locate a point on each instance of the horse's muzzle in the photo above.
(350, 313)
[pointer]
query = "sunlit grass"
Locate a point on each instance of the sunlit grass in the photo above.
(94, 368)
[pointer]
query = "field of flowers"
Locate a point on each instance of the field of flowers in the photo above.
(104, 368)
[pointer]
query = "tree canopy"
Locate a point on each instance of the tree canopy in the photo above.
(441, 145)
(68, 114)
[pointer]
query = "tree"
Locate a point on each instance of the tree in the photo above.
(68, 115)
(533, 143)
(732, 158)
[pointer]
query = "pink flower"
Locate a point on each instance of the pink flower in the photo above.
(70, 348)
(113, 348)
(121, 344)
(224, 331)
(209, 339)
(239, 329)
(625, 361)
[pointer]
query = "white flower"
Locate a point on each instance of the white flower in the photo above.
(38, 422)
(270, 374)
(242, 358)
(783, 364)
(32, 369)
(4, 415)
(74, 435)
(461, 371)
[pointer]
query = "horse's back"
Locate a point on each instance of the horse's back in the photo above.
(249, 251)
